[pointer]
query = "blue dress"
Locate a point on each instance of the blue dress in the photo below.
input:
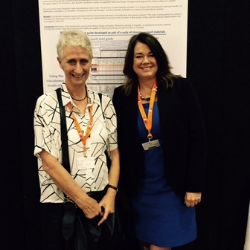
(163, 219)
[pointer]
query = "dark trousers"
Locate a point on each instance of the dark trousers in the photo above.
(51, 221)
(51, 236)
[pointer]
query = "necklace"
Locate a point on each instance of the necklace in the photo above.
(79, 99)
(144, 98)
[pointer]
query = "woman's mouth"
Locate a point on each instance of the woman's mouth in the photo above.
(78, 76)
(146, 68)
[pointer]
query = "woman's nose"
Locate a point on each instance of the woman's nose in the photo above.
(145, 59)
(78, 68)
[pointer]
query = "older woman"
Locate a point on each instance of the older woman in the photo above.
(162, 145)
(91, 127)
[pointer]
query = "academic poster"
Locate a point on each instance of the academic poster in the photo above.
(109, 25)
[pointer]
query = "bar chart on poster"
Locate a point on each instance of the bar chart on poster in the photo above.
(109, 25)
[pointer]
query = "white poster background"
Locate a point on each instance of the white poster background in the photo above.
(110, 24)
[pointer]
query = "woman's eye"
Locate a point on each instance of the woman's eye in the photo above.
(71, 62)
(84, 61)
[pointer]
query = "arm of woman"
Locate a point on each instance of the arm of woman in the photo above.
(108, 201)
(67, 184)
(197, 141)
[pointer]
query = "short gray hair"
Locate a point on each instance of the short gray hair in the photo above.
(74, 38)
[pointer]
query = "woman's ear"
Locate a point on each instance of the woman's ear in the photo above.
(60, 62)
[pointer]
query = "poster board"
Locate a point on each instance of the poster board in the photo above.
(109, 25)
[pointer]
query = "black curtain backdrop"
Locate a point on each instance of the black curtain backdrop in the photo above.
(218, 65)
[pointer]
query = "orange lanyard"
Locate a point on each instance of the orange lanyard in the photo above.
(79, 130)
(148, 120)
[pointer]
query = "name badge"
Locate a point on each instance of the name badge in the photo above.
(85, 163)
(151, 144)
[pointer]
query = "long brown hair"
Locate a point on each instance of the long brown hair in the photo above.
(164, 75)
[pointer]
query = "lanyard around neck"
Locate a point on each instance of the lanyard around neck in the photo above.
(79, 130)
(148, 119)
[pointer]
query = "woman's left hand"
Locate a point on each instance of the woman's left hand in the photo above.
(192, 199)
(107, 204)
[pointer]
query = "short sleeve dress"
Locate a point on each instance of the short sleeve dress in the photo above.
(162, 217)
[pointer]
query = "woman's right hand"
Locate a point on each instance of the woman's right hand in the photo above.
(90, 207)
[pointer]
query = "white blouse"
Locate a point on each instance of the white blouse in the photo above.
(91, 177)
